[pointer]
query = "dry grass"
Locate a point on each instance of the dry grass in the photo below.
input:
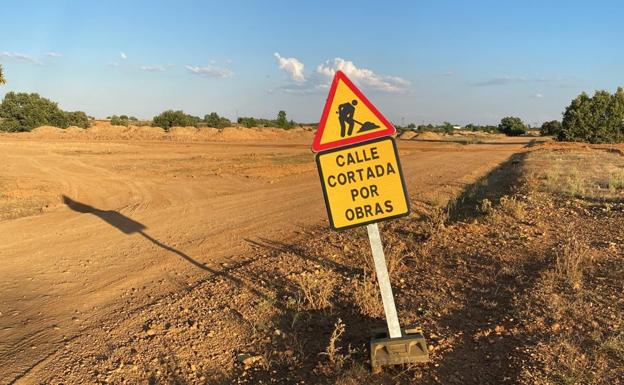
(316, 289)
(435, 221)
(593, 174)
(614, 346)
(335, 358)
(366, 296)
(572, 259)
(513, 207)
(356, 375)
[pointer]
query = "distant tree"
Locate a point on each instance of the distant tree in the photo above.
(551, 128)
(23, 112)
(512, 126)
(171, 118)
(2, 79)
(411, 126)
(214, 120)
(282, 121)
(248, 122)
(597, 119)
(121, 120)
(77, 118)
(447, 127)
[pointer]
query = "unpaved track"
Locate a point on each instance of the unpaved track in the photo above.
(144, 219)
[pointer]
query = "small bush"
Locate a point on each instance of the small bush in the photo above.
(123, 120)
(77, 118)
(551, 128)
(316, 288)
(171, 118)
(214, 120)
(572, 258)
(334, 356)
(616, 182)
(367, 298)
(511, 206)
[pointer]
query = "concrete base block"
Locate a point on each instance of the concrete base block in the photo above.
(409, 348)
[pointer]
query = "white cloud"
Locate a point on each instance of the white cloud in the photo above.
(291, 65)
(210, 71)
(363, 76)
(538, 96)
(112, 64)
(54, 54)
(123, 55)
(19, 56)
(156, 68)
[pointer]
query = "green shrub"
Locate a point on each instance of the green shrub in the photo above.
(596, 119)
(214, 120)
(23, 112)
(171, 118)
(512, 126)
(248, 122)
(282, 121)
(77, 118)
(123, 120)
(551, 128)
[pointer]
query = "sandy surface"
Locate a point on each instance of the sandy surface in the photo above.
(90, 229)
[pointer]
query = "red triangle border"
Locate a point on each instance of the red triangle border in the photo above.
(317, 146)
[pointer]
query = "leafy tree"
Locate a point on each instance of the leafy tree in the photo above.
(551, 128)
(171, 118)
(77, 118)
(447, 127)
(216, 121)
(2, 79)
(512, 126)
(596, 119)
(23, 112)
(122, 120)
(411, 126)
(282, 121)
(248, 122)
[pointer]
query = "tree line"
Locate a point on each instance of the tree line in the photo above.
(595, 119)
(171, 118)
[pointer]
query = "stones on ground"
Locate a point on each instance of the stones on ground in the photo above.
(248, 360)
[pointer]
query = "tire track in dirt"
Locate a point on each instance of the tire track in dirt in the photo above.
(67, 269)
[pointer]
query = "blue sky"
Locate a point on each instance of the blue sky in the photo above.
(417, 61)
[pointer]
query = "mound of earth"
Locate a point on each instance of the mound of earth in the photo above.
(107, 131)
(407, 135)
(183, 131)
(103, 130)
(207, 133)
(430, 136)
(75, 130)
(146, 132)
(48, 131)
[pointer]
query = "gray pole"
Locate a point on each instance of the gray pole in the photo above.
(394, 329)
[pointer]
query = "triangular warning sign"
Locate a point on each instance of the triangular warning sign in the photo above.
(348, 117)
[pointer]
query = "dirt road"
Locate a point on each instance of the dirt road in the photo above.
(92, 229)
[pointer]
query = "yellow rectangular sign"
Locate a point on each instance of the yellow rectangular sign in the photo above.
(363, 183)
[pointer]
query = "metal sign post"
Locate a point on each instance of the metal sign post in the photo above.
(394, 345)
(392, 319)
